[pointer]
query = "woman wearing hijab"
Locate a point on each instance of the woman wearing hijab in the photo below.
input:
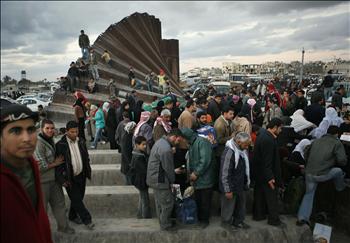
(100, 125)
(299, 123)
(88, 121)
(242, 123)
(126, 149)
(298, 154)
(111, 125)
(295, 165)
(124, 107)
(105, 108)
(331, 119)
(144, 129)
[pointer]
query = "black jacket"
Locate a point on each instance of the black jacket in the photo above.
(214, 110)
(111, 121)
(328, 81)
(266, 160)
(139, 163)
(337, 100)
(73, 72)
(84, 41)
(315, 113)
(232, 178)
(300, 103)
(126, 150)
(64, 172)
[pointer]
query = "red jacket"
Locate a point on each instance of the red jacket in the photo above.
(20, 222)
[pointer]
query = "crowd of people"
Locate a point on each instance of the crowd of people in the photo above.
(85, 68)
(226, 143)
(259, 138)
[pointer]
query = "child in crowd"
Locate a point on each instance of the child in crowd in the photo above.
(138, 174)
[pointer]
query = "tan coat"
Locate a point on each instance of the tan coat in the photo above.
(224, 132)
(241, 124)
(186, 119)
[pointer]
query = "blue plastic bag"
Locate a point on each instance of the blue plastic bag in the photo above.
(187, 211)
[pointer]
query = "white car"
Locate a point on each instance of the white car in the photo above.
(221, 86)
(32, 103)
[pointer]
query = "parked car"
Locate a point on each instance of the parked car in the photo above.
(222, 87)
(32, 103)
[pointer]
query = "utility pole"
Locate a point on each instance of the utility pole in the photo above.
(302, 67)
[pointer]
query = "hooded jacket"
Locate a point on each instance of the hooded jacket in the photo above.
(20, 221)
(45, 155)
(139, 163)
(201, 159)
(234, 169)
(160, 169)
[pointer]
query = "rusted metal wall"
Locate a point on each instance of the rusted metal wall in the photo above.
(137, 41)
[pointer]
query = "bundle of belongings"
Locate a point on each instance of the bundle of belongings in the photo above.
(186, 207)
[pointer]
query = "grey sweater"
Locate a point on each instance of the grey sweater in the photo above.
(45, 154)
(160, 170)
(325, 153)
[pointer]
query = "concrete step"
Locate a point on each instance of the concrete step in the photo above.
(112, 201)
(100, 146)
(106, 175)
(122, 201)
(147, 231)
(104, 156)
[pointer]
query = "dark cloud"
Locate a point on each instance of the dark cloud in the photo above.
(205, 29)
(283, 7)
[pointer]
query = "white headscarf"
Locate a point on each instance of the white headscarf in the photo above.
(129, 126)
(331, 119)
(239, 153)
(299, 122)
(301, 146)
(105, 106)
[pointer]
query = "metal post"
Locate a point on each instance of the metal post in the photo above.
(302, 67)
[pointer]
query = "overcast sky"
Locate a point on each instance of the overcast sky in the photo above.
(42, 37)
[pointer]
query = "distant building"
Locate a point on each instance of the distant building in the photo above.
(339, 67)
(231, 67)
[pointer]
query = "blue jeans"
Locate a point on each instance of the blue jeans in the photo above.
(94, 72)
(84, 52)
(98, 136)
(327, 93)
(150, 88)
(311, 181)
(138, 84)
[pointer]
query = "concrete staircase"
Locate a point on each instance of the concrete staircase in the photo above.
(113, 207)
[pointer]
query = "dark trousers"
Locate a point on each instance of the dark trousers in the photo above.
(203, 200)
(180, 160)
(81, 127)
(265, 203)
(76, 193)
(111, 137)
(233, 210)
